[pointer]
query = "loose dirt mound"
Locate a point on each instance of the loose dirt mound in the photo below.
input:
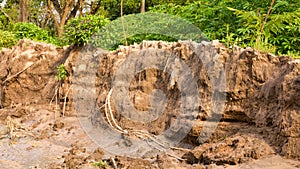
(233, 150)
(261, 117)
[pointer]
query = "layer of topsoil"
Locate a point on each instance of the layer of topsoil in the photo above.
(259, 126)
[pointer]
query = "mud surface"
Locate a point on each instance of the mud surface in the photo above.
(259, 126)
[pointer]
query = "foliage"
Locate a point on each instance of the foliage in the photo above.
(11, 9)
(61, 72)
(100, 164)
(4, 21)
(239, 22)
(281, 31)
(79, 30)
(150, 36)
(212, 17)
(33, 32)
(236, 22)
(7, 39)
(38, 14)
(133, 6)
(149, 25)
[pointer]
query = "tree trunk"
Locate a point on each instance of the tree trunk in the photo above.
(95, 6)
(23, 13)
(65, 11)
(143, 6)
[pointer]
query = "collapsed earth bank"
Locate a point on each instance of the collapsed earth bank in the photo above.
(260, 93)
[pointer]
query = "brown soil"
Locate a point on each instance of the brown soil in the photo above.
(259, 128)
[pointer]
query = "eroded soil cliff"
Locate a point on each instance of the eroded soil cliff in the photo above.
(259, 126)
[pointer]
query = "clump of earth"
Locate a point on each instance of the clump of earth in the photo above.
(257, 127)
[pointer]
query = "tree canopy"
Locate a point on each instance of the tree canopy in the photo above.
(271, 26)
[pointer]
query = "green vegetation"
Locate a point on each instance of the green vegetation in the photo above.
(61, 72)
(7, 39)
(269, 27)
(240, 22)
(79, 30)
(112, 10)
(31, 31)
(100, 164)
(156, 26)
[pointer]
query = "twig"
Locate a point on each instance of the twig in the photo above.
(56, 88)
(178, 158)
(6, 15)
(267, 16)
(141, 134)
(56, 102)
(122, 20)
(113, 162)
(13, 76)
(179, 148)
(169, 154)
(143, 6)
(65, 100)
(100, 107)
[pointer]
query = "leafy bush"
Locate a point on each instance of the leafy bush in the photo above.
(4, 21)
(149, 26)
(61, 72)
(33, 32)
(7, 39)
(280, 31)
(239, 22)
(78, 31)
(140, 37)
(113, 10)
(209, 17)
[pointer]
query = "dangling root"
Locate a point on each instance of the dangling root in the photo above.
(108, 107)
(15, 75)
(55, 96)
(65, 101)
(112, 122)
(138, 133)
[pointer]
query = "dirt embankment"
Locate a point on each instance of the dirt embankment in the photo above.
(260, 122)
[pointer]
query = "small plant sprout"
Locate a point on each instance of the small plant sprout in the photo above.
(100, 164)
(61, 73)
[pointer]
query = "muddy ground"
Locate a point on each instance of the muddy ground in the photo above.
(259, 126)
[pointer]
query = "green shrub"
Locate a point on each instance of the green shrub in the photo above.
(78, 31)
(280, 33)
(33, 32)
(146, 26)
(61, 72)
(7, 39)
(100, 164)
(140, 37)
(240, 22)
(3, 21)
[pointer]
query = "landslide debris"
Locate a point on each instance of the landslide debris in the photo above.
(261, 118)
